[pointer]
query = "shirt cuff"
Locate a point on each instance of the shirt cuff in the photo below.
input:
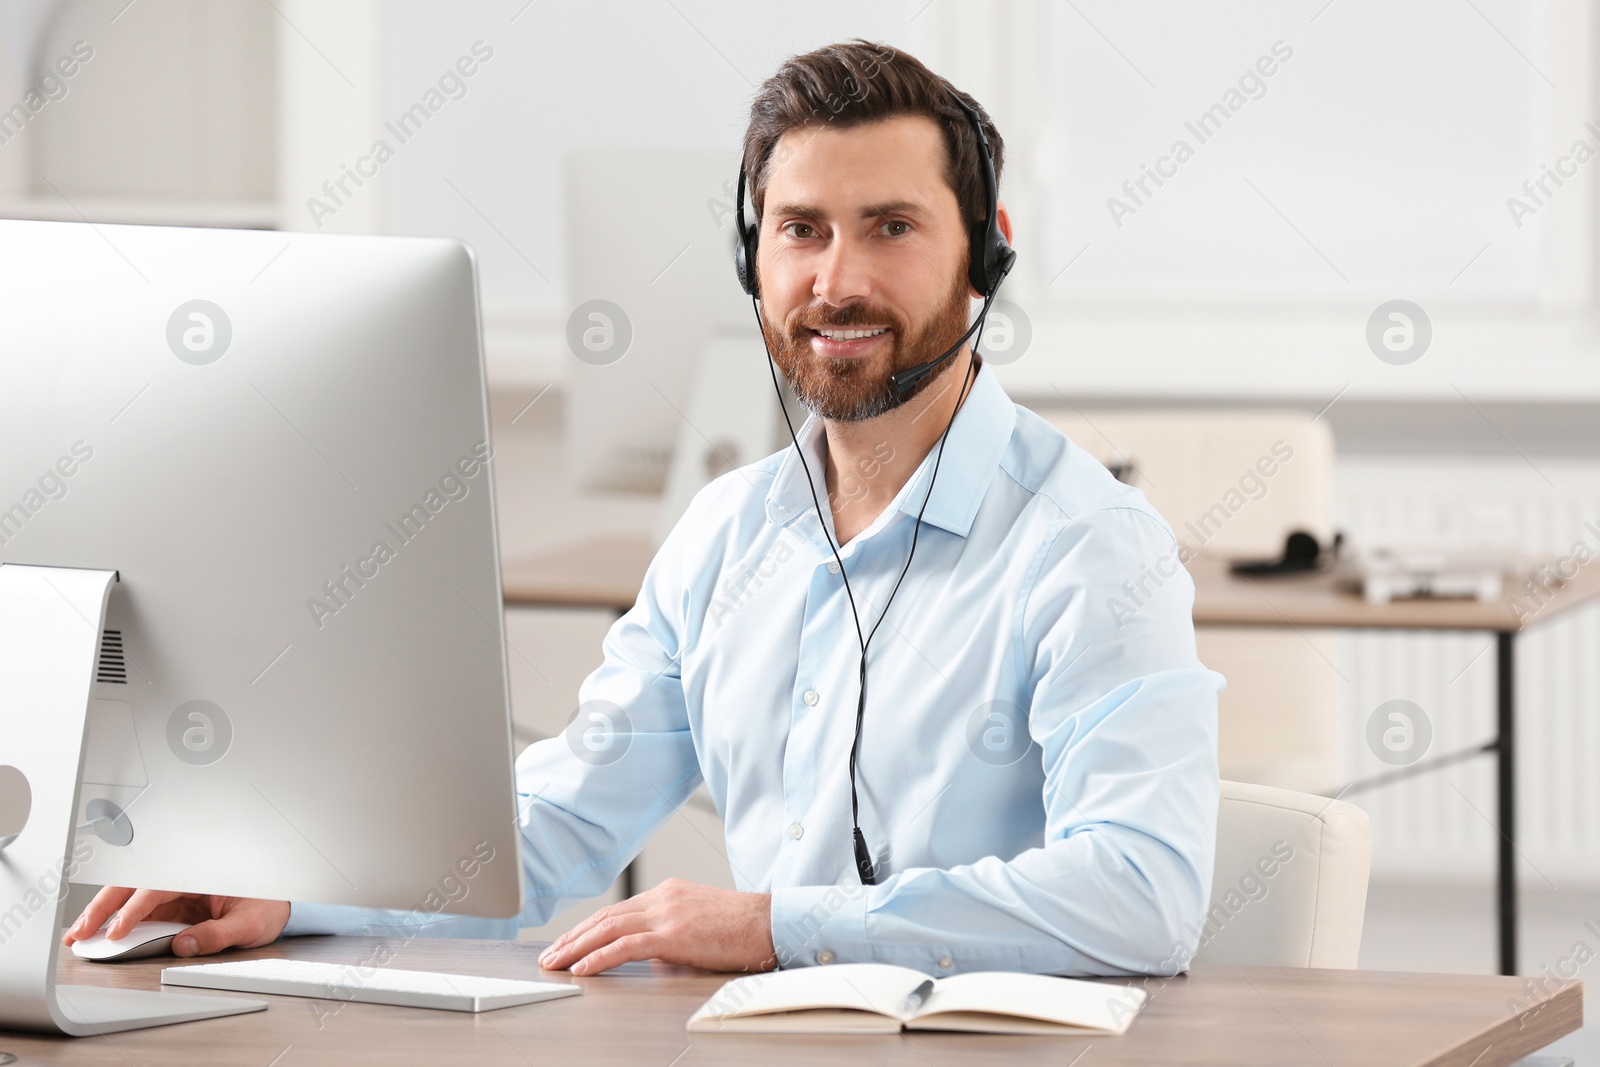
(820, 924)
(316, 919)
(305, 918)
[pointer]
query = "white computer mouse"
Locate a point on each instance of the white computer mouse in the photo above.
(145, 939)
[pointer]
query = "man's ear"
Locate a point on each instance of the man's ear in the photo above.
(1003, 217)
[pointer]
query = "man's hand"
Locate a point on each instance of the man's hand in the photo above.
(676, 922)
(218, 922)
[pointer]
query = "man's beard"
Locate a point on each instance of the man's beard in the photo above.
(843, 389)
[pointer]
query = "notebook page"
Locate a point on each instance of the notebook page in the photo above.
(873, 987)
(1093, 1005)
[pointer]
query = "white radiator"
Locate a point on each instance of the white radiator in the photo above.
(1443, 822)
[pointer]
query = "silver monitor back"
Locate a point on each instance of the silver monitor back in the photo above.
(280, 442)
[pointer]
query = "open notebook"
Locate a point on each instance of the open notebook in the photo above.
(856, 998)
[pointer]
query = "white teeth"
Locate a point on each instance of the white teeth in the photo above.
(851, 335)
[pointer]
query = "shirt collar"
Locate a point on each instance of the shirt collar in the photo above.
(972, 450)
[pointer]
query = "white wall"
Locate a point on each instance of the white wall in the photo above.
(1376, 164)
(489, 166)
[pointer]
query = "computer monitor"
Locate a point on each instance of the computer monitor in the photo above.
(279, 444)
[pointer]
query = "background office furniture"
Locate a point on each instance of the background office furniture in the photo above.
(1206, 472)
(1312, 600)
(1290, 884)
(1245, 1016)
(730, 419)
(601, 573)
(649, 257)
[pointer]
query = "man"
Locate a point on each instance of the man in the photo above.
(1037, 772)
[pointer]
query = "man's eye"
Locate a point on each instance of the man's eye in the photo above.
(906, 226)
(795, 227)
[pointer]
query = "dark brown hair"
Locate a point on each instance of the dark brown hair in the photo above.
(855, 82)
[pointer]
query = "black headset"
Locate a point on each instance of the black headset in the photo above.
(990, 259)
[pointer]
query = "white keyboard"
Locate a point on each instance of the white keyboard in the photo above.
(367, 985)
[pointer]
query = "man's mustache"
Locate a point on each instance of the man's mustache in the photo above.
(846, 318)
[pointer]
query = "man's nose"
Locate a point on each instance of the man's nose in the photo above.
(844, 273)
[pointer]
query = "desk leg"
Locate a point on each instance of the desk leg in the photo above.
(1506, 765)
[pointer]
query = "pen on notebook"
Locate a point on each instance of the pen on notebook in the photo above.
(918, 995)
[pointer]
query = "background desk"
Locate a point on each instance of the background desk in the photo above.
(608, 573)
(636, 1014)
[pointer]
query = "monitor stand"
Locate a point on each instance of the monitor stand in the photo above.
(50, 624)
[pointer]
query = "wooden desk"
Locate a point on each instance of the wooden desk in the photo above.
(605, 573)
(1220, 599)
(1238, 1016)
(608, 574)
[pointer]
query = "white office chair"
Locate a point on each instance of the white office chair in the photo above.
(1290, 885)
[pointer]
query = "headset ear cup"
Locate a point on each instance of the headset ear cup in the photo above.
(744, 258)
(992, 259)
(744, 249)
(741, 263)
(744, 262)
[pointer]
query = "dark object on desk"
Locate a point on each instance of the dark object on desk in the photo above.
(1301, 553)
(1124, 472)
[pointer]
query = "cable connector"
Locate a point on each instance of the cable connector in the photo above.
(864, 860)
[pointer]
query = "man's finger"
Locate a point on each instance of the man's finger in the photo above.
(94, 915)
(135, 910)
(622, 907)
(607, 930)
(640, 946)
(598, 929)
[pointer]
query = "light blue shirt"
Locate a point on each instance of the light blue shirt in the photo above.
(1038, 768)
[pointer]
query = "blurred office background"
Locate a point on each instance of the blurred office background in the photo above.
(1179, 309)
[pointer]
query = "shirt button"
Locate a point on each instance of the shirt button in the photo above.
(833, 567)
(811, 697)
(796, 831)
(945, 963)
(825, 957)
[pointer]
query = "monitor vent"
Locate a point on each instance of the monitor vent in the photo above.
(112, 667)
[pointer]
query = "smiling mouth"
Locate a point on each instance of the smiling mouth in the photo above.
(860, 334)
(841, 342)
